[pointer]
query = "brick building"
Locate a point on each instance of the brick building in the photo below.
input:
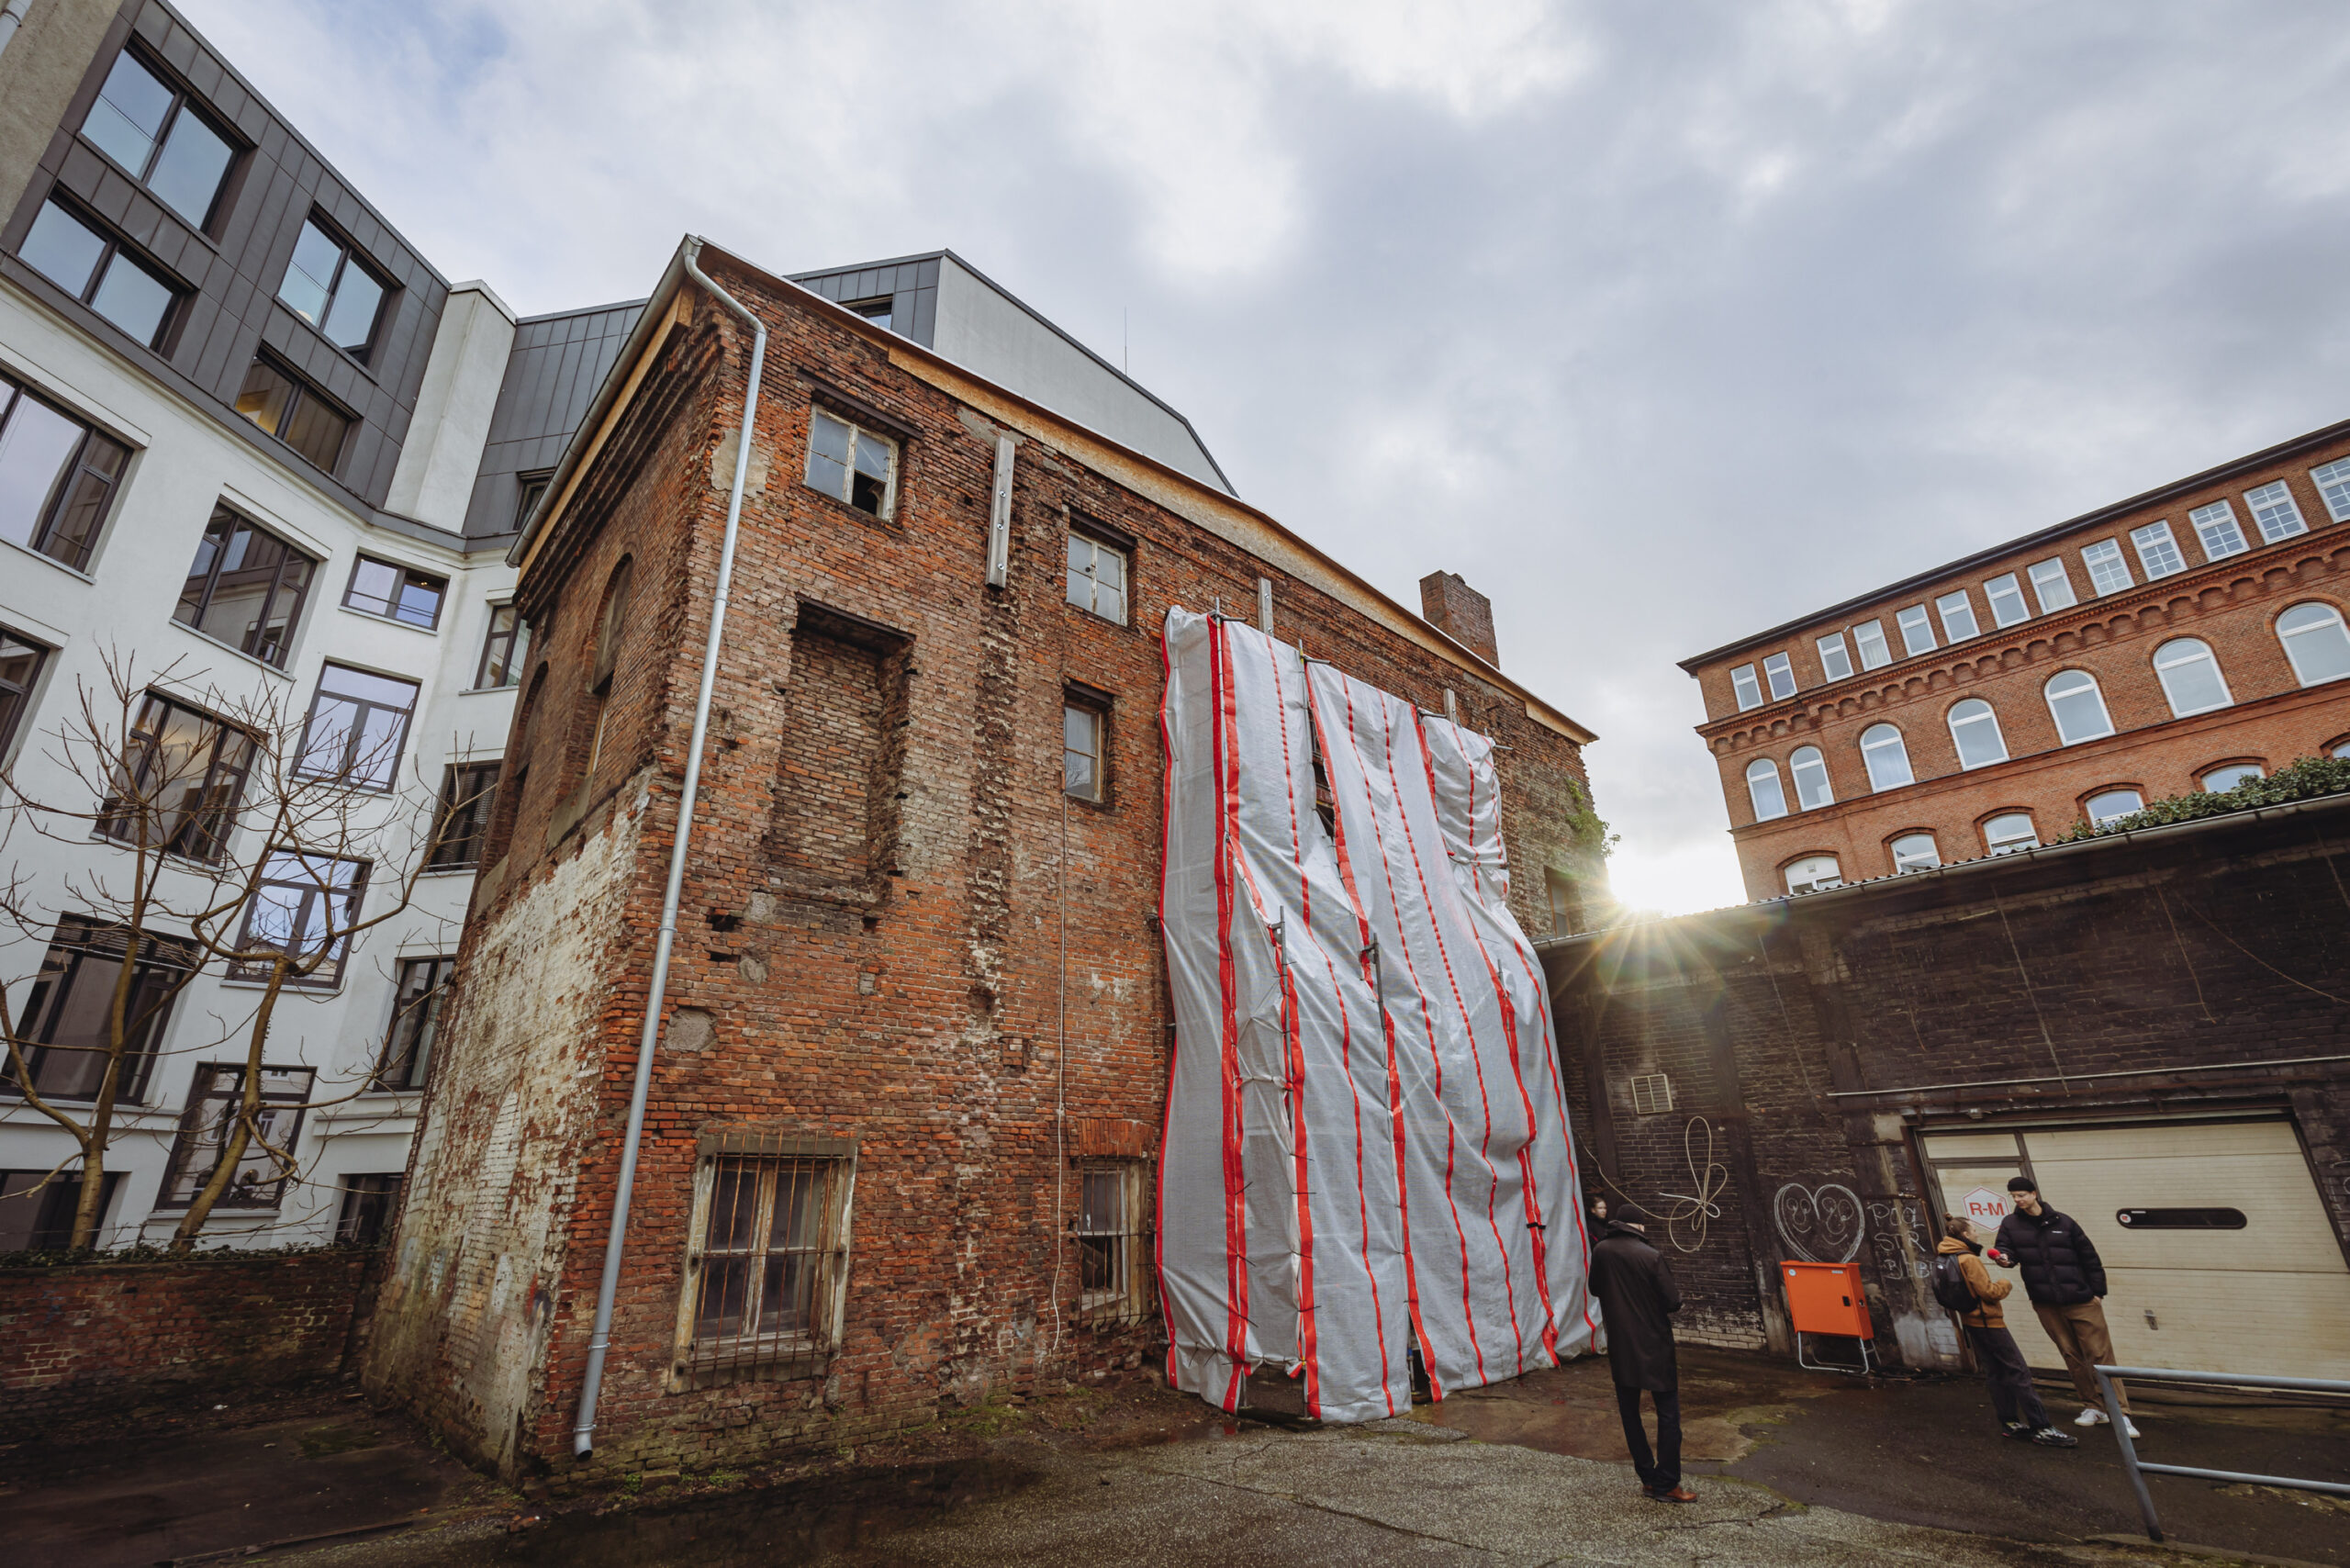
(2167, 643)
(2152, 1024)
(913, 1053)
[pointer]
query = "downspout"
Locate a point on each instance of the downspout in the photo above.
(583, 1434)
(12, 16)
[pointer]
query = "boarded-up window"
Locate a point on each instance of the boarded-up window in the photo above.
(834, 823)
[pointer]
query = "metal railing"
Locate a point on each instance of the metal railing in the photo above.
(2138, 1469)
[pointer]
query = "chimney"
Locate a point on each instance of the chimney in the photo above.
(1460, 613)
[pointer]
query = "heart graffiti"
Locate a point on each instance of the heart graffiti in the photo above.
(1819, 1224)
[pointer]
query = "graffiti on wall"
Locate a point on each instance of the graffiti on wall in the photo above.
(1829, 1223)
(1887, 1218)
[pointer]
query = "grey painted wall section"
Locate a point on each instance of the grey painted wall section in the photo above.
(232, 270)
(38, 74)
(462, 377)
(558, 364)
(911, 285)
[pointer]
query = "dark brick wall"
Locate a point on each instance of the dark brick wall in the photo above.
(1460, 613)
(1809, 1036)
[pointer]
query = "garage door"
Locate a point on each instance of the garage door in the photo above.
(2218, 1251)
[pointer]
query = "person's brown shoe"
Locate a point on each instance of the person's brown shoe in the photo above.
(1677, 1494)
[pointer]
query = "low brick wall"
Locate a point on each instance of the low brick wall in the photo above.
(80, 1335)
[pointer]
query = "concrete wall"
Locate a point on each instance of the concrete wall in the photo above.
(39, 72)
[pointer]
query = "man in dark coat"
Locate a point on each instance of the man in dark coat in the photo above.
(1636, 1296)
(2066, 1279)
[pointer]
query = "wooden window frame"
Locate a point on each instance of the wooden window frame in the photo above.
(703, 1359)
(1115, 1254)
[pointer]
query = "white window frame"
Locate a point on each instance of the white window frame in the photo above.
(2217, 531)
(2052, 585)
(1912, 860)
(2275, 513)
(1652, 1093)
(1808, 760)
(2243, 771)
(1868, 636)
(1916, 631)
(2050, 695)
(2178, 654)
(1759, 771)
(1779, 673)
(1973, 712)
(1087, 588)
(1835, 658)
(1957, 611)
(859, 437)
(1745, 688)
(2109, 569)
(2159, 554)
(1897, 747)
(2002, 591)
(2333, 481)
(2013, 843)
(2311, 634)
(1814, 883)
(2098, 819)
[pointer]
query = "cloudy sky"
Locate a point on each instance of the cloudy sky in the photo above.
(1660, 323)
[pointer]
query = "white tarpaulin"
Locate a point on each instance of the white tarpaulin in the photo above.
(1366, 1146)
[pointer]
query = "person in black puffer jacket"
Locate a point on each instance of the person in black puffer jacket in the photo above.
(2066, 1279)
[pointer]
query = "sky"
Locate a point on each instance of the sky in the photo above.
(1660, 324)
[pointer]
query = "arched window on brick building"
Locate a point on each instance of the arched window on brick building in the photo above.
(2190, 676)
(2078, 706)
(1812, 788)
(2316, 641)
(1885, 757)
(1763, 789)
(1975, 729)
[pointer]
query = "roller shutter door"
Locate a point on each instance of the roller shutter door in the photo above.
(2270, 1297)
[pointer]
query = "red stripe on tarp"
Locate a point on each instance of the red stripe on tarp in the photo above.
(1167, 1115)
(1236, 1201)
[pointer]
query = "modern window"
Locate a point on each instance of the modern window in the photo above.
(69, 1008)
(304, 908)
(880, 312)
(2215, 526)
(1779, 672)
(331, 287)
(1813, 788)
(1083, 731)
(397, 593)
(2010, 832)
(368, 1204)
(1915, 852)
(2190, 676)
(1763, 788)
(181, 782)
(2333, 481)
(2316, 643)
(1097, 578)
(294, 411)
(1835, 659)
(2006, 595)
(215, 1102)
(468, 793)
(93, 267)
(2052, 585)
(245, 588)
(2221, 780)
(1746, 687)
(531, 489)
(851, 464)
(504, 651)
(2111, 805)
(1884, 757)
(2078, 706)
(357, 729)
(2108, 572)
(1957, 611)
(1815, 874)
(1974, 731)
(160, 139)
(2158, 554)
(1110, 1236)
(36, 1208)
(416, 1022)
(768, 1258)
(57, 477)
(1869, 637)
(2274, 513)
(1916, 631)
(21, 663)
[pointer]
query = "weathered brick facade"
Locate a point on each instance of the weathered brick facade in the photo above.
(884, 877)
(1815, 1040)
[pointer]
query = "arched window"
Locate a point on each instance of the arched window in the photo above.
(2006, 834)
(1763, 788)
(2191, 677)
(2316, 641)
(1812, 789)
(1815, 873)
(2078, 706)
(2105, 806)
(2227, 775)
(1915, 852)
(1975, 729)
(613, 624)
(2340, 747)
(1885, 757)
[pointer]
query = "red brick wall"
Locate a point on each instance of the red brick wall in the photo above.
(905, 990)
(84, 1334)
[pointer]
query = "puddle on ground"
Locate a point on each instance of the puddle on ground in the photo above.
(781, 1525)
(321, 1441)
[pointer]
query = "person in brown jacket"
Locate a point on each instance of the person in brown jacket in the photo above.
(1957, 1265)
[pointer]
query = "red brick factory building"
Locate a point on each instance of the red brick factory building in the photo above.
(898, 1128)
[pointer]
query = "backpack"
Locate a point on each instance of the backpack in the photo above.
(1950, 1285)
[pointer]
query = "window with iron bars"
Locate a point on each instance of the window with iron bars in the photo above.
(767, 1269)
(1111, 1236)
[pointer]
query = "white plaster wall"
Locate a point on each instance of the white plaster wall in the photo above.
(184, 462)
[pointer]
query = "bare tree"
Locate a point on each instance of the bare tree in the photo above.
(233, 832)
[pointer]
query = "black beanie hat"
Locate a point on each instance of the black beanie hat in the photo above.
(2022, 1184)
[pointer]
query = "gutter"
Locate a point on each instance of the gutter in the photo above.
(12, 16)
(583, 1433)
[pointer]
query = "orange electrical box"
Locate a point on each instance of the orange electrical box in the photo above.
(1826, 1298)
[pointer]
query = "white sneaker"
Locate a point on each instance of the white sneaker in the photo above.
(2092, 1416)
(2128, 1425)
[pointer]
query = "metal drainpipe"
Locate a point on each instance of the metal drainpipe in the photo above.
(12, 16)
(583, 1435)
